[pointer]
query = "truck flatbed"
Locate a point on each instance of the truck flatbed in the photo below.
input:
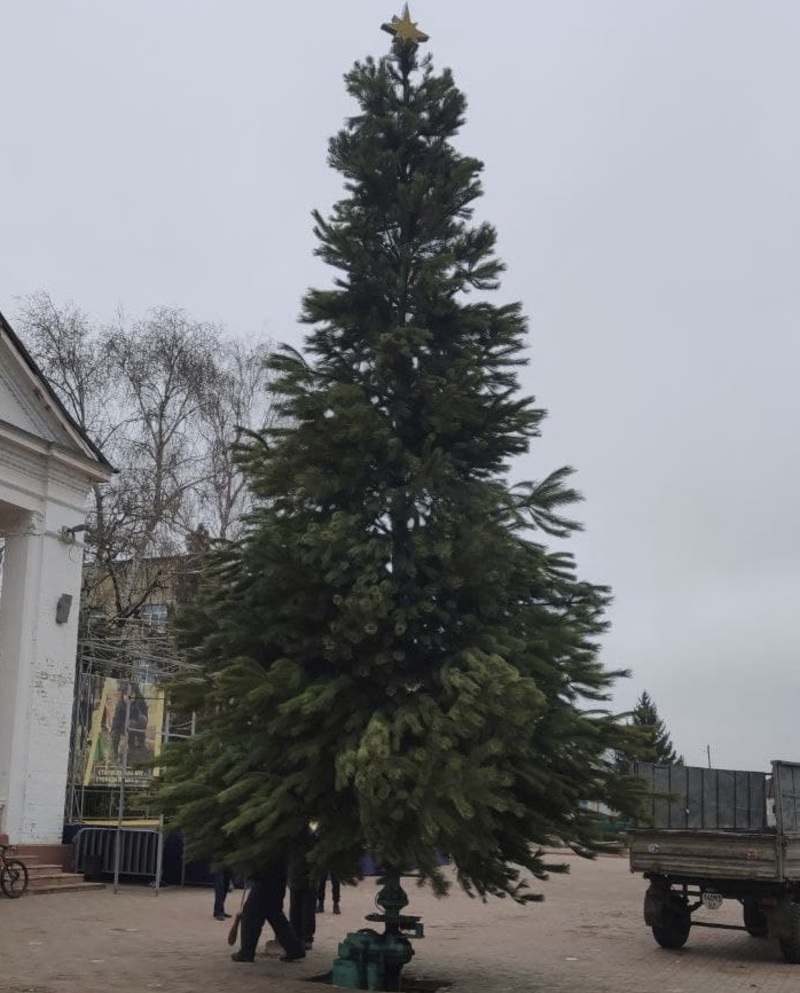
(712, 834)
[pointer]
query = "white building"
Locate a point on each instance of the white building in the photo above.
(47, 467)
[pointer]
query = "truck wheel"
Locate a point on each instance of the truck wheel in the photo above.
(755, 920)
(674, 932)
(790, 947)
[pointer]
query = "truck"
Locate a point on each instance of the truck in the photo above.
(709, 835)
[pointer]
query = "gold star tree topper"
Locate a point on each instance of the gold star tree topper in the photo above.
(404, 28)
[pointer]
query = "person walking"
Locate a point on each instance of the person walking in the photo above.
(222, 883)
(264, 904)
(302, 890)
(335, 893)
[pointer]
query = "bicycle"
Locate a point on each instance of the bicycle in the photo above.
(13, 873)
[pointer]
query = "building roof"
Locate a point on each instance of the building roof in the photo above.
(36, 397)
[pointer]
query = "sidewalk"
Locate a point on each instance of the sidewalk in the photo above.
(587, 937)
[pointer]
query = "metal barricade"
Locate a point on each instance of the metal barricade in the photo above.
(96, 847)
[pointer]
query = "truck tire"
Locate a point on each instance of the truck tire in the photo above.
(675, 929)
(755, 920)
(790, 946)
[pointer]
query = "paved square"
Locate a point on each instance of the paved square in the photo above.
(587, 937)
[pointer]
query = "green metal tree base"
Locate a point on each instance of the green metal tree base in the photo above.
(369, 960)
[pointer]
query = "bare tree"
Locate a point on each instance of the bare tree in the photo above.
(72, 351)
(240, 401)
(164, 397)
(168, 374)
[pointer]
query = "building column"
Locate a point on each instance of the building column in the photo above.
(37, 675)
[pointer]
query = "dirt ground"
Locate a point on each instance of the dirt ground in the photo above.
(587, 937)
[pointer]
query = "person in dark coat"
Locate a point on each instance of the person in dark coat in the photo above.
(118, 722)
(264, 904)
(222, 883)
(302, 890)
(336, 890)
(130, 704)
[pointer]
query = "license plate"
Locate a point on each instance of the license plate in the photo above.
(712, 900)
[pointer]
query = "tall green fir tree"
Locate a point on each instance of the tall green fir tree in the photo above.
(393, 650)
(656, 740)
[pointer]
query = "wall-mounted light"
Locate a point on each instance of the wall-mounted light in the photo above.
(68, 534)
(63, 608)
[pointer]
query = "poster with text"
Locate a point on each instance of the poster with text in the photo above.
(127, 723)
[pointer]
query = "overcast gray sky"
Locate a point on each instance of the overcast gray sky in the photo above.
(642, 168)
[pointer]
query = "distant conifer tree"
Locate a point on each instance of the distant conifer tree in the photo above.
(652, 742)
(659, 747)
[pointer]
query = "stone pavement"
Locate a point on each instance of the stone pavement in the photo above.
(587, 937)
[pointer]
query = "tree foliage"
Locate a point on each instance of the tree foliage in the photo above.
(656, 741)
(164, 398)
(391, 649)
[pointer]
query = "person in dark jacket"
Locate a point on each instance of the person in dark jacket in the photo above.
(133, 731)
(264, 904)
(222, 883)
(336, 890)
(302, 890)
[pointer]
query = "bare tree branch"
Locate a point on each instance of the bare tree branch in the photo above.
(164, 397)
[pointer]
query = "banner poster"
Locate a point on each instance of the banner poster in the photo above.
(109, 737)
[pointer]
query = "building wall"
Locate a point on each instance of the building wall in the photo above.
(39, 496)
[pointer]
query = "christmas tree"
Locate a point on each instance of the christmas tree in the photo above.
(392, 651)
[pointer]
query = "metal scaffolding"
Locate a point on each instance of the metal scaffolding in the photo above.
(120, 721)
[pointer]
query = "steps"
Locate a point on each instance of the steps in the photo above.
(44, 878)
(47, 872)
